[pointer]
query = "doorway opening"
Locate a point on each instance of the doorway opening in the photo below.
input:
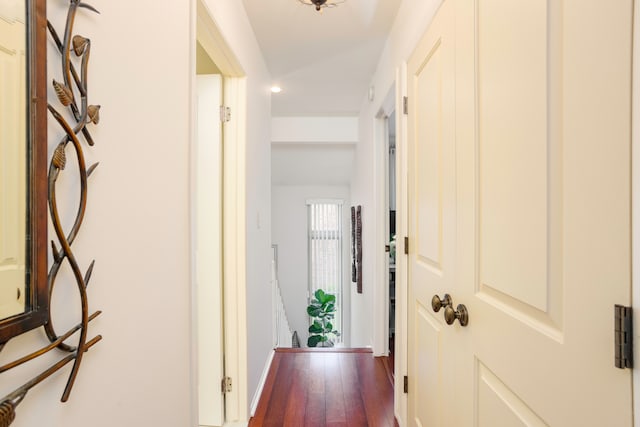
(311, 166)
(219, 337)
(390, 332)
(391, 210)
(385, 196)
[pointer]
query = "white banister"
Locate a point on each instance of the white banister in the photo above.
(282, 333)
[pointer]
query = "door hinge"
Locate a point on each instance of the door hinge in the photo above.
(387, 248)
(406, 246)
(225, 114)
(623, 336)
(405, 105)
(227, 385)
(406, 384)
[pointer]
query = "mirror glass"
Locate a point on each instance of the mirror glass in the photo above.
(13, 158)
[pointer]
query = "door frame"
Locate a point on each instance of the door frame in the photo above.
(381, 203)
(392, 102)
(205, 31)
(401, 367)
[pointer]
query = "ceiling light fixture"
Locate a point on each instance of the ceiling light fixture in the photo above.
(276, 89)
(321, 4)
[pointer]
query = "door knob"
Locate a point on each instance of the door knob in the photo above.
(437, 303)
(460, 313)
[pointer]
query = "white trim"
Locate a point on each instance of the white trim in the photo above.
(402, 210)
(635, 207)
(213, 42)
(234, 244)
(193, 303)
(261, 383)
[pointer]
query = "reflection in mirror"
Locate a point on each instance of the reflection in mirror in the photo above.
(13, 157)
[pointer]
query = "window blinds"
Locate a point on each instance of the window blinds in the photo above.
(325, 251)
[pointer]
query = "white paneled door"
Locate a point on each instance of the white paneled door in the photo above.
(208, 250)
(519, 207)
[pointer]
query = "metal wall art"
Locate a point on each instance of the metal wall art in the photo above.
(359, 247)
(356, 246)
(354, 275)
(72, 93)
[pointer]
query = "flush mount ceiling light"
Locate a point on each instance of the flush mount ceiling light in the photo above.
(321, 4)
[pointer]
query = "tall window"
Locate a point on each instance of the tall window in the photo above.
(325, 251)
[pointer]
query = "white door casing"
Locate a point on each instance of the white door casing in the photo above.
(207, 33)
(529, 224)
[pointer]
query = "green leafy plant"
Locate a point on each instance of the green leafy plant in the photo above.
(322, 310)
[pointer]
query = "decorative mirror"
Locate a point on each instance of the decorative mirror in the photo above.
(23, 167)
(28, 184)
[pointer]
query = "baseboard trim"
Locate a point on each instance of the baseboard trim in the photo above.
(263, 380)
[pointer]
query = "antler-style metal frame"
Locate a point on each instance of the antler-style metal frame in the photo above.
(72, 94)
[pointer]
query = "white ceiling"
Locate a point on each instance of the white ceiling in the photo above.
(323, 61)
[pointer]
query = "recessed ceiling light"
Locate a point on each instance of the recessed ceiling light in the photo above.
(276, 89)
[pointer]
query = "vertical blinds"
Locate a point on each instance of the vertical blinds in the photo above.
(325, 251)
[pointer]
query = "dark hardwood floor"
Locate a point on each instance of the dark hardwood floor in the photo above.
(326, 387)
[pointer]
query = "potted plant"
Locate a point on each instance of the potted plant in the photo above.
(322, 310)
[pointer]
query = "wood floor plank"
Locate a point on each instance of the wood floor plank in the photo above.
(278, 400)
(377, 393)
(298, 392)
(356, 416)
(316, 404)
(335, 402)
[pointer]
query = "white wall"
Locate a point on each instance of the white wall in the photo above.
(311, 164)
(137, 222)
(289, 215)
